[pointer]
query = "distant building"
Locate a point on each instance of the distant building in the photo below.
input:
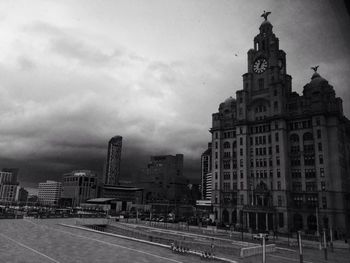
(8, 192)
(206, 171)
(21, 195)
(8, 184)
(78, 186)
(14, 174)
(164, 180)
(5, 177)
(49, 192)
(112, 172)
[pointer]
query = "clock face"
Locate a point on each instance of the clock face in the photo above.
(260, 65)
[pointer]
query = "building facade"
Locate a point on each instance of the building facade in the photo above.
(49, 193)
(78, 186)
(206, 171)
(164, 181)
(112, 173)
(8, 185)
(280, 160)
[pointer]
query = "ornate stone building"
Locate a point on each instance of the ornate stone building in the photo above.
(280, 160)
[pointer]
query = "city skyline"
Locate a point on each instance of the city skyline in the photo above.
(73, 75)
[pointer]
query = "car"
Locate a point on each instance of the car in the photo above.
(260, 236)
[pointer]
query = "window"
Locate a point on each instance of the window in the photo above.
(275, 93)
(216, 145)
(270, 150)
(276, 125)
(278, 185)
(277, 149)
(278, 173)
(270, 162)
(318, 134)
(322, 172)
(241, 141)
(227, 176)
(241, 185)
(216, 155)
(216, 135)
(321, 159)
(324, 202)
(279, 200)
(216, 165)
(320, 147)
(252, 163)
(276, 136)
(309, 160)
(240, 151)
(251, 141)
(318, 121)
(275, 105)
(323, 186)
(277, 160)
(261, 84)
(271, 174)
(242, 199)
(269, 138)
(227, 164)
(227, 145)
(241, 174)
(241, 162)
(311, 187)
(216, 175)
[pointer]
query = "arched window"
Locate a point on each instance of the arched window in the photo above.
(307, 136)
(294, 138)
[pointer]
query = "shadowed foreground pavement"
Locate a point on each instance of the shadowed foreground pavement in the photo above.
(44, 241)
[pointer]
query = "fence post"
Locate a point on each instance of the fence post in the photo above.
(325, 244)
(300, 247)
(263, 250)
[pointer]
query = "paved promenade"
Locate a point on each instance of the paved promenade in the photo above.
(36, 241)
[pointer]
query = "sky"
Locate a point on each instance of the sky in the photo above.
(73, 74)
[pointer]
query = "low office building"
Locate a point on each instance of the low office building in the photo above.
(50, 193)
(78, 186)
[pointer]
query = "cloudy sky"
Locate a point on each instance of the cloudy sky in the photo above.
(75, 73)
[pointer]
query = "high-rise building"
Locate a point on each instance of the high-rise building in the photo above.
(206, 171)
(49, 192)
(112, 172)
(79, 186)
(280, 160)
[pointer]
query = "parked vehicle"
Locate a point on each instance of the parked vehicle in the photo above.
(260, 236)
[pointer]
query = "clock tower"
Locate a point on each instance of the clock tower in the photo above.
(266, 85)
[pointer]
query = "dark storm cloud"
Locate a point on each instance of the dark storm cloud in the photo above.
(85, 73)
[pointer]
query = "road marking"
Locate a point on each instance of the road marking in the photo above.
(291, 259)
(29, 248)
(108, 243)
